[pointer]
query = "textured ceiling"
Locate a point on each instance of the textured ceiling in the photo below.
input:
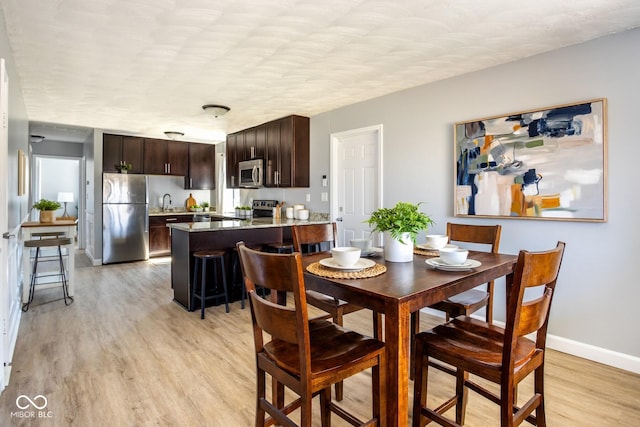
(146, 66)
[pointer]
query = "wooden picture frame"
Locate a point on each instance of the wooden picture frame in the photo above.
(548, 164)
(22, 173)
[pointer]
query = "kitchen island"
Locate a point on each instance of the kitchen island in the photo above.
(189, 237)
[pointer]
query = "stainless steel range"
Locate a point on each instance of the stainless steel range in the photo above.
(263, 208)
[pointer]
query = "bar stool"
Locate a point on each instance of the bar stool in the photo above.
(44, 243)
(279, 247)
(201, 260)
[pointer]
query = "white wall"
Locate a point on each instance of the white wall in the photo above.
(596, 298)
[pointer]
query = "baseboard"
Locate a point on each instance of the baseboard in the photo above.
(94, 261)
(576, 348)
(596, 354)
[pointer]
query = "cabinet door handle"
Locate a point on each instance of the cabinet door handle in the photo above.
(171, 219)
(169, 167)
(190, 182)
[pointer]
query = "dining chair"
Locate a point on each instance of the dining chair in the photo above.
(320, 238)
(307, 357)
(503, 356)
(467, 302)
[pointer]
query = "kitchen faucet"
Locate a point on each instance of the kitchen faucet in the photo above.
(163, 197)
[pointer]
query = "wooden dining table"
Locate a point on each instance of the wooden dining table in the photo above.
(404, 288)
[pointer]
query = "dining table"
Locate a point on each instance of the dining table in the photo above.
(404, 288)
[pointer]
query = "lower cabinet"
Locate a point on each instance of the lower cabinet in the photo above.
(160, 234)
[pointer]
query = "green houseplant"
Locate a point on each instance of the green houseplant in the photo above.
(46, 208)
(400, 225)
(123, 167)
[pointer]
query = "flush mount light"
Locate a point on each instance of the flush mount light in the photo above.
(173, 134)
(37, 138)
(216, 110)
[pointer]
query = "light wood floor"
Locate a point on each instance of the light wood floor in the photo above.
(124, 354)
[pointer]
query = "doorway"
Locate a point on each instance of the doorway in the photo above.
(356, 180)
(53, 175)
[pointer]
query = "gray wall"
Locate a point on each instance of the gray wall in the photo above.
(598, 291)
(18, 132)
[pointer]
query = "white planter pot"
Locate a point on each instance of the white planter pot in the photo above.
(398, 250)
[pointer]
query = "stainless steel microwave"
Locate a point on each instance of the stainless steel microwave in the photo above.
(251, 173)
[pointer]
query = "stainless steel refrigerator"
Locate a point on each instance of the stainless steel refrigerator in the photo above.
(125, 218)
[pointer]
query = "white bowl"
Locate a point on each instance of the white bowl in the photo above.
(453, 256)
(364, 244)
(345, 256)
(437, 241)
(303, 214)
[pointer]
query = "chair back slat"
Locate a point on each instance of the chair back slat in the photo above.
(274, 319)
(315, 236)
(533, 269)
(481, 234)
(278, 273)
(534, 313)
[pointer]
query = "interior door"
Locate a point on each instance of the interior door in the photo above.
(9, 239)
(356, 180)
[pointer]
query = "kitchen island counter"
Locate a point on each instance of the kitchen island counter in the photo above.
(239, 224)
(189, 237)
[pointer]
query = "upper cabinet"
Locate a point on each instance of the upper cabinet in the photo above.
(163, 157)
(202, 167)
(118, 148)
(287, 153)
(282, 143)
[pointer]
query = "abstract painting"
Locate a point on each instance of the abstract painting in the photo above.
(541, 164)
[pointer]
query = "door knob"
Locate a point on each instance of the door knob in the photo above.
(8, 235)
(339, 219)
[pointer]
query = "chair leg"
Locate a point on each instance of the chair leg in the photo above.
(65, 286)
(203, 288)
(194, 282)
(325, 407)
(260, 395)
(419, 384)
(32, 282)
(224, 285)
(541, 420)
(461, 395)
(338, 320)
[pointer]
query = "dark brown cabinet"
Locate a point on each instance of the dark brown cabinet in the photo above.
(163, 157)
(284, 146)
(232, 160)
(287, 152)
(118, 148)
(160, 234)
(202, 167)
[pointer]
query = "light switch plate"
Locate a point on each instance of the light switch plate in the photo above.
(325, 196)
(308, 197)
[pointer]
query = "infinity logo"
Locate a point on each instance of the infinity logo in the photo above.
(33, 403)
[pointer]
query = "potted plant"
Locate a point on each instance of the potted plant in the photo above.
(123, 167)
(400, 226)
(46, 208)
(205, 206)
(243, 212)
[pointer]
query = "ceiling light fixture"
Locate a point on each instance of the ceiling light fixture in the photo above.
(216, 110)
(37, 138)
(173, 134)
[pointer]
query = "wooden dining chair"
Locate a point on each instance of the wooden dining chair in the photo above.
(307, 357)
(501, 356)
(316, 238)
(468, 302)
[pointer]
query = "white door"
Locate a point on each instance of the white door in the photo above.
(356, 180)
(4, 224)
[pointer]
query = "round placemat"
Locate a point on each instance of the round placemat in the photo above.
(425, 252)
(320, 270)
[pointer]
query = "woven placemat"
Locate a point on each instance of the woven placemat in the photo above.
(425, 252)
(320, 270)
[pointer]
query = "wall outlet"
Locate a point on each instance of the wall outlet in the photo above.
(325, 196)
(308, 197)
